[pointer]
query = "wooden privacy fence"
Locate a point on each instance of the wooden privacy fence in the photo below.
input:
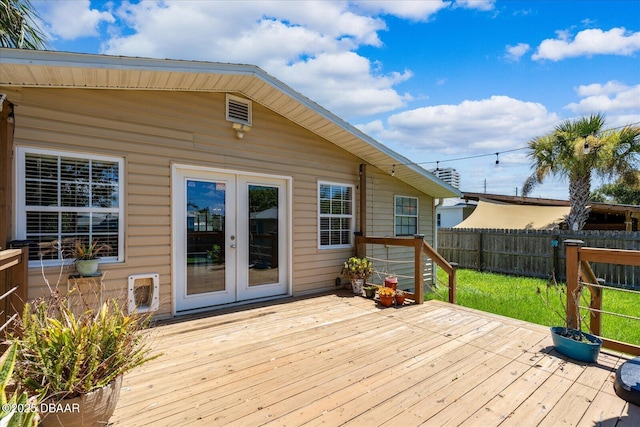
(13, 285)
(536, 253)
(420, 248)
(580, 275)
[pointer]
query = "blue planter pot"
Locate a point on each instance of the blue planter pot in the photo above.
(584, 351)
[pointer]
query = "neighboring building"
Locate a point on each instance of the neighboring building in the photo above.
(217, 179)
(453, 211)
(448, 175)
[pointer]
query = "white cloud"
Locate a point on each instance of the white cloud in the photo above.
(617, 41)
(344, 83)
(406, 9)
(72, 19)
(240, 31)
(608, 88)
(514, 53)
(498, 123)
(484, 5)
(612, 98)
(312, 52)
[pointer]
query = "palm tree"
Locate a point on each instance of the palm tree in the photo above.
(19, 25)
(576, 149)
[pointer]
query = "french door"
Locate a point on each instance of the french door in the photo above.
(231, 237)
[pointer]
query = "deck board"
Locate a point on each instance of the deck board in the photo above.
(336, 359)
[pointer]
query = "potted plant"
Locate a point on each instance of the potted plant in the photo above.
(77, 361)
(86, 256)
(370, 291)
(571, 342)
(357, 270)
(19, 410)
(400, 296)
(391, 281)
(386, 295)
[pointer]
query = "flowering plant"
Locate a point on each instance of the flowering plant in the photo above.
(386, 292)
(357, 268)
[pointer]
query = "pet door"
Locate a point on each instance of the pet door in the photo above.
(143, 295)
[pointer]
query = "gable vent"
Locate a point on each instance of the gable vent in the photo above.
(238, 110)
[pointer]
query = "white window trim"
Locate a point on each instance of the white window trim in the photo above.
(351, 216)
(395, 213)
(19, 201)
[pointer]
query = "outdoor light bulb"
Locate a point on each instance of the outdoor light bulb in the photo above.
(393, 170)
(586, 148)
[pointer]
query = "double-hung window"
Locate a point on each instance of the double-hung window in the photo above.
(406, 216)
(335, 215)
(67, 197)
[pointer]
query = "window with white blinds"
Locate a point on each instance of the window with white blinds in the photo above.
(335, 215)
(66, 197)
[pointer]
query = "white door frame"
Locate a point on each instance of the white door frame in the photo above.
(180, 172)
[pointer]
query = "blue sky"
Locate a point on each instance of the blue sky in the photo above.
(435, 80)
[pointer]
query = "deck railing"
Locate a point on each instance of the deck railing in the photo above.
(580, 275)
(421, 248)
(13, 286)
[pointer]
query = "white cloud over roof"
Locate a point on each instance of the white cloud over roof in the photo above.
(616, 41)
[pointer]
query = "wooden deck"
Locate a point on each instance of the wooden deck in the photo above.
(338, 359)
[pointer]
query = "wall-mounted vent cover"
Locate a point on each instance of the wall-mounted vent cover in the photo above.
(238, 110)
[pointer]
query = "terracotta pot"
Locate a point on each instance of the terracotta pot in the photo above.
(386, 301)
(400, 299)
(391, 282)
(91, 409)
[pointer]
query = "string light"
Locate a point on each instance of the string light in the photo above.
(586, 150)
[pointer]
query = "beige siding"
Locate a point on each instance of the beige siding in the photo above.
(152, 130)
(382, 189)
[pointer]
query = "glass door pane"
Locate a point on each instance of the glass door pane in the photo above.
(263, 234)
(205, 223)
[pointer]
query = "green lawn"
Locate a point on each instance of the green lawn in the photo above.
(517, 297)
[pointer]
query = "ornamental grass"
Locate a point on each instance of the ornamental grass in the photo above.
(63, 355)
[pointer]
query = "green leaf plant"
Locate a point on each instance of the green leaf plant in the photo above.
(63, 355)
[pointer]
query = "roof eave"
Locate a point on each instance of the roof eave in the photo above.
(339, 130)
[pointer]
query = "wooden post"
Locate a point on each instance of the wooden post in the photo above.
(362, 184)
(573, 281)
(418, 269)
(6, 170)
(452, 284)
(20, 277)
(595, 320)
(360, 248)
(595, 304)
